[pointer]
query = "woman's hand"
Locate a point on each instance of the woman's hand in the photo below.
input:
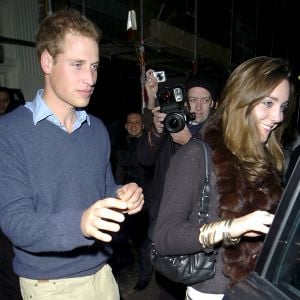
(230, 230)
(253, 224)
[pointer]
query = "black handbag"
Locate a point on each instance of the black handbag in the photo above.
(191, 268)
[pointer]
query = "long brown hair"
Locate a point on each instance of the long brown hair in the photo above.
(249, 83)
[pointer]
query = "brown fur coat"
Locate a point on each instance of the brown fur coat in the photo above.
(238, 197)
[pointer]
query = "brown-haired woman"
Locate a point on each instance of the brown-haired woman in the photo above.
(245, 182)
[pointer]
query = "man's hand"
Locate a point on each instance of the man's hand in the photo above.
(158, 119)
(103, 217)
(132, 194)
(181, 137)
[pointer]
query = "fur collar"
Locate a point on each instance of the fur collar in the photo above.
(238, 197)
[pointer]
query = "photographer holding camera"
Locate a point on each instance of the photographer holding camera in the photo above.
(165, 137)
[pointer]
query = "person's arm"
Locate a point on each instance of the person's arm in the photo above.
(27, 227)
(151, 87)
(181, 137)
(150, 143)
(147, 118)
(104, 216)
(174, 232)
(230, 231)
(149, 146)
(35, 229)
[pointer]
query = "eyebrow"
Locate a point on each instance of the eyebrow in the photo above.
(272, 98)
(202, 97)
(83, 61)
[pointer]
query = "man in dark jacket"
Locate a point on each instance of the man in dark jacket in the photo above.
(129, 169)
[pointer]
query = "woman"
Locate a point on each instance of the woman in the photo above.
(245, 183)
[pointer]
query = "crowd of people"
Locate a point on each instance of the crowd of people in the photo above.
(72, 209)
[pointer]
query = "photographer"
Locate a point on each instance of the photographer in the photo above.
(158, 146)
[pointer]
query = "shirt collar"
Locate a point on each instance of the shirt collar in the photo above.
(41, 111)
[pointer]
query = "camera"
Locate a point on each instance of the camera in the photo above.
(171, 102)
(160, 76)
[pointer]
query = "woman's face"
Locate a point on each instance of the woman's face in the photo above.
(268, 113)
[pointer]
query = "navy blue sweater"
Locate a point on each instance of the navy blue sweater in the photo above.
(48, 177)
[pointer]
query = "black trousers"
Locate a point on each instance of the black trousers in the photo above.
(145, 266)
(169, 290)
(133, 234)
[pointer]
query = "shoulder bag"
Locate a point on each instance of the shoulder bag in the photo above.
(191, 268)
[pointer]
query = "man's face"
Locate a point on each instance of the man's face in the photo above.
(71, 77)
(134, 125)
(4, 101)
(200, 102)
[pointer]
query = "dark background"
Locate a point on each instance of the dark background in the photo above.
(247, 27)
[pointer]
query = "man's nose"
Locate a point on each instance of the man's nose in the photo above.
(89, 77)
(199, 104)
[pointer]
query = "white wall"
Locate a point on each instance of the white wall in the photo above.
(19, 20)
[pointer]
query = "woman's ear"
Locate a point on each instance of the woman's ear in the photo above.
(46, 62)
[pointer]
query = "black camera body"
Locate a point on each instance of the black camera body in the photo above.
(171, 102)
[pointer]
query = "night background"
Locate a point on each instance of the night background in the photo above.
(238, 29)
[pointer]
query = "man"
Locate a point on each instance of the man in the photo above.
(128, 169)
(134, 125)
(59, 202)
(158, 146)
(5, 99)
(10, 99)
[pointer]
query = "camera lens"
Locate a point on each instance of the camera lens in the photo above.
(174, 122)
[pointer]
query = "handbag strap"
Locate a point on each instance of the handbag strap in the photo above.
(203, 196)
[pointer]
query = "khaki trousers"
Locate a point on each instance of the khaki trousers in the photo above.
(100, 286)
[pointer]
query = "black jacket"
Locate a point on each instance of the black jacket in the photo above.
(156, 150)
(128, 168)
